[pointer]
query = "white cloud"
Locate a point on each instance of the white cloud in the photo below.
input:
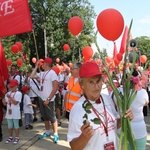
(145, 20)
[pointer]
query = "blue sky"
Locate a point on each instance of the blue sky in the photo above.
(138, 10)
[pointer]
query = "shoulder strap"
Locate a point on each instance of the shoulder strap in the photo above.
(14, 76)
(36, 84)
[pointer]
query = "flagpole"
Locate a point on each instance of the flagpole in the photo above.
(35, 44)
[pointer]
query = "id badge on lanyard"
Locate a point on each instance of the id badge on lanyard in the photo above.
(109, 145)
(41, 88)
(9, 111)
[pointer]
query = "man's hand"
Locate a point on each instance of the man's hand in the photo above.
(87, 130)
(46, 102)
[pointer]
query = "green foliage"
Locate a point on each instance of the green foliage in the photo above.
(144, 47)
(53, 16)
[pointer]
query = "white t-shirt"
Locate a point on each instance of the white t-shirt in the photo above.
(99, 138)
(60, 77)
(16, 77)
(67, 77)
(104, 89)
(34, 87)
(47, 84)
(15, 108)
(26, 108)
(137, 124)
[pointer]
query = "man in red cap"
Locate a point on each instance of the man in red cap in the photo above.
(48, 88)
(93, 118)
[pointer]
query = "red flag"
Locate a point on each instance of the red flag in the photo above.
(115, 52)
(4, 75)
(3, 64)
(2, 85)
(124, 40)
(14, 17)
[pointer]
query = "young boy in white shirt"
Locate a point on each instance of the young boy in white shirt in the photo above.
(27, 107)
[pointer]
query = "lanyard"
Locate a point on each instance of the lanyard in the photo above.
(12, 97)
(44, 75)
(105, 124)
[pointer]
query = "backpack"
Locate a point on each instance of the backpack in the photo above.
(21, 103)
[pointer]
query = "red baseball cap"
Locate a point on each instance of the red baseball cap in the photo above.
(25, 89)
(13, 83)
(48, 60)
(89, 69)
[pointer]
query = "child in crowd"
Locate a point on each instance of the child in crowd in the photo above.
(27, 107)
(12, 100)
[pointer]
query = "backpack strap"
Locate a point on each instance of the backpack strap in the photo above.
(21, 103)
(36, 84)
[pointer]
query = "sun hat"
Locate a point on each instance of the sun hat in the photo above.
(25, 89)
(13, 83)
(48, 60)
(89, 69)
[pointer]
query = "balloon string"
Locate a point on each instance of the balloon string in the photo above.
(35, 44)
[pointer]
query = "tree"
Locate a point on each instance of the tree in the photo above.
(53, 16)
(144, 47)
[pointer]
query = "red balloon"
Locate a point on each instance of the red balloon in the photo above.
(117, 62)
(34, 60)
(87, 52)
(108, 59)
(41, 62)
(9, 62)
(143, 59)
(119, 56)
(56, 69)
(19, 44)
(97, 61)
(57, 60)
(19, 62)
(70, 64)
(66, 47)
(110, 24)
(14, 48)
(75, 25)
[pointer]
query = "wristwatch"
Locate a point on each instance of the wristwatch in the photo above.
(48, 99)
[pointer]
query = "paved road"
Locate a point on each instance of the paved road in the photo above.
(29, 140)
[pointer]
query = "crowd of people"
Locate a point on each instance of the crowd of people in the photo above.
(67, 92)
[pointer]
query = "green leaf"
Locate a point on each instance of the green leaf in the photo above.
(84, 122)
(88, 106)
(88, 111)
(96, 121)
(85, 116)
